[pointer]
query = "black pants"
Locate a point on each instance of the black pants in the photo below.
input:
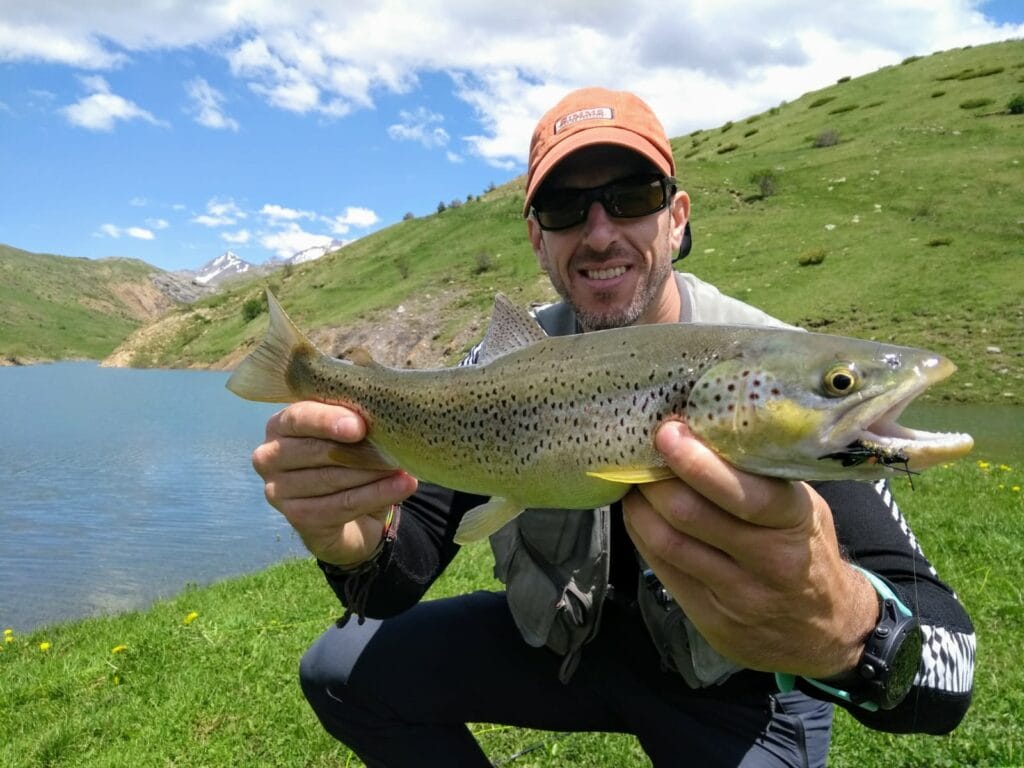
(399, 692)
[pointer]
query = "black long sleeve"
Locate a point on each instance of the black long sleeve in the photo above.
(422, 548)
(874, 535)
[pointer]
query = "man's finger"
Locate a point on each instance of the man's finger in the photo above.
(760, 500)
(312, 419)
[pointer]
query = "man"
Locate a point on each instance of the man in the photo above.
(665, 615)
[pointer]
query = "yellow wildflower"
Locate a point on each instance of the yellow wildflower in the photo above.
(44, 646)
(192, 616)
(983, 464)
(8, 635)
(119, 648)
(1004, 467)
(1016, 489)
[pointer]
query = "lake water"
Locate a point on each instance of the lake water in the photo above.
(120, 486)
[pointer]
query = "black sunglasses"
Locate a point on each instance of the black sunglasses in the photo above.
(627, 198)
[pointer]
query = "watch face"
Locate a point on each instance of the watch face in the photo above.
(904, 666)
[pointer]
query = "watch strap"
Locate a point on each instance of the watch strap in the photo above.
(787, 682)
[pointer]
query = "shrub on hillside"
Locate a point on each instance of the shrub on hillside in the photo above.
(811, 257)
(484, 263)
(252, 309)
(766, 180)
(820, 102)
(970, 74)
(844, 108)
(827, 138)
(727, 148)
(1016, 105)
(975, 103)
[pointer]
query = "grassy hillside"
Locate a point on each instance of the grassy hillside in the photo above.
(911, 207)
(54, 307)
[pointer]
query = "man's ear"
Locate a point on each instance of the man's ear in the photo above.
(679, 210)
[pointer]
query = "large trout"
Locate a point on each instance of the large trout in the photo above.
(568, 422)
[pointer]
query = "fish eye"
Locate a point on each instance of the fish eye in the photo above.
(840, 380)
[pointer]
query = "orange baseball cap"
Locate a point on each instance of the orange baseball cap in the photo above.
(591, 116)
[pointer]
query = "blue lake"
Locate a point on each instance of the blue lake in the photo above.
(121, 486)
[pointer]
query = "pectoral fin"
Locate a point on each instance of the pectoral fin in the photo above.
(480, 522)
(362, 455)
(633, 475)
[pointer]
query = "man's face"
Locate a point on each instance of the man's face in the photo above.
(612, 271)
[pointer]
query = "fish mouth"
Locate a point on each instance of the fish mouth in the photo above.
(870, 432)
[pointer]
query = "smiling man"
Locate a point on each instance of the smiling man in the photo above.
(718, 616)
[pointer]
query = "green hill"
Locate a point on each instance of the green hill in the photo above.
(56, 307)
(887, 206)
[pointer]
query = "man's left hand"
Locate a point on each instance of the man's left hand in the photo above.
(753, 561)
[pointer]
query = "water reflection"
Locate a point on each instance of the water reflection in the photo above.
(121, 486)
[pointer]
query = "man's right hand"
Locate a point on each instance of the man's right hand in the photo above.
(338, 511)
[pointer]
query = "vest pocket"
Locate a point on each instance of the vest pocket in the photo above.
(681, 646)
(548, 609)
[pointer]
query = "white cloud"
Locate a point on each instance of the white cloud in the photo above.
(420, 125)
(45, 41)
(100, 110)
(698, 64)
(206, 105)
(241, 237)
(158, 223)
(220, 213)
(292, 239)
(278, 214)
(114, 231)
(353, 216)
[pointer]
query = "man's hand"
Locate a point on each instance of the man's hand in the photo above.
(753, 561)
(338, 511)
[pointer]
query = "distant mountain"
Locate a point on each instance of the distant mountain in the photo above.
(225, 267)
(315, 252)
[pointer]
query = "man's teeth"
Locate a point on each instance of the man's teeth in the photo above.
(605, 274)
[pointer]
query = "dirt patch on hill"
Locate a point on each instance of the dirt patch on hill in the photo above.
(407, 336)
(145, 340)
(139, 301)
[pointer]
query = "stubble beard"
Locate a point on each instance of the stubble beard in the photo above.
(647, 291)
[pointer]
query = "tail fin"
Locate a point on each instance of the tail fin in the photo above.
(263, 375)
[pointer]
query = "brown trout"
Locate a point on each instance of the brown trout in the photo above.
(568, 422)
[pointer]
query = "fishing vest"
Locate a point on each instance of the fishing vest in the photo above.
(554, 562)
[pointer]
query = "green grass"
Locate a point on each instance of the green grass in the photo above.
(55, 307)
(221, 690)
(909, 171)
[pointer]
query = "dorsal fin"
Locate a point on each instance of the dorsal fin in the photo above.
(361, 356)
(511, 327)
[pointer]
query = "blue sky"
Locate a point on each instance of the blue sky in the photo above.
(171, 131)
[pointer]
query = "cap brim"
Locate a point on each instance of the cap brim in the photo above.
(592, 136)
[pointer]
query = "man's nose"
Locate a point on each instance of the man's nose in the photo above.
(599, 230)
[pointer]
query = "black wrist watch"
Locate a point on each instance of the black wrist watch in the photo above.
(886, 670)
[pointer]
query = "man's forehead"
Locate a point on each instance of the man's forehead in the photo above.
(594, 165)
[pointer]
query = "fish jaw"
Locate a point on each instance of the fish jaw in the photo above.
(771, 417)
(871, 434)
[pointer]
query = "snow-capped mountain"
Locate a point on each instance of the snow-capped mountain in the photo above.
(224, 267)
(315, 252)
